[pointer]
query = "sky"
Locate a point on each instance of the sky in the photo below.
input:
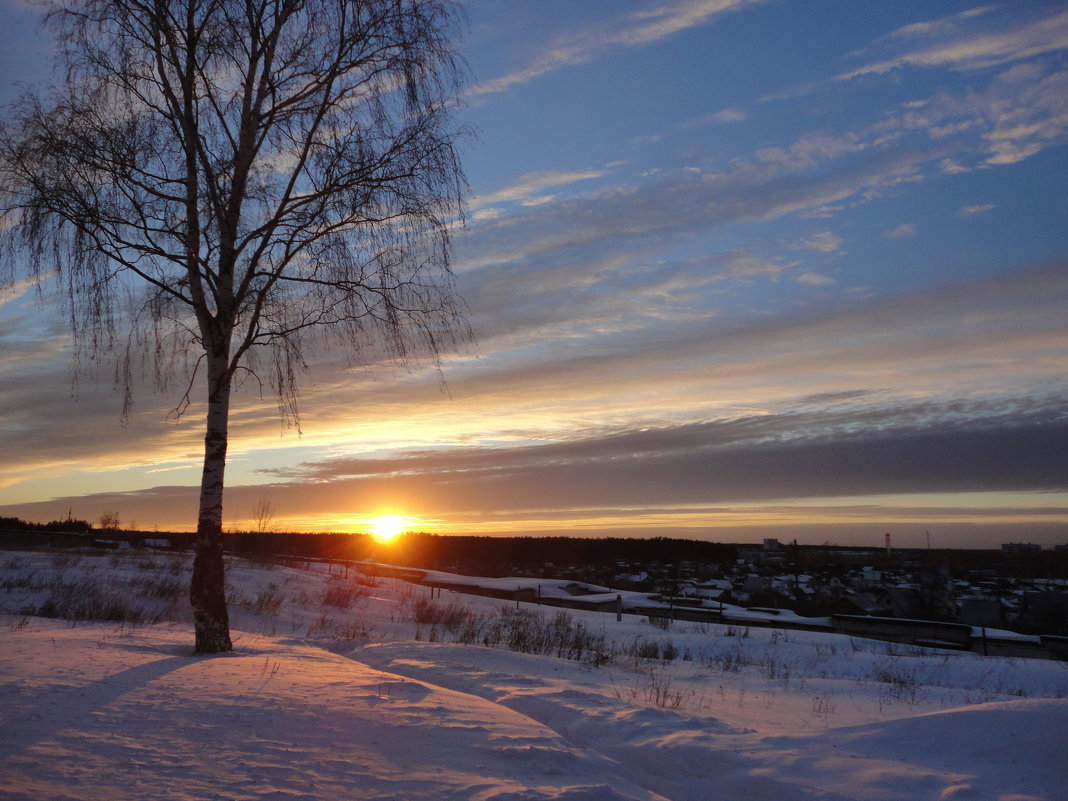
(735, 269)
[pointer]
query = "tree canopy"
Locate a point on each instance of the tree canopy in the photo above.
(229, 182)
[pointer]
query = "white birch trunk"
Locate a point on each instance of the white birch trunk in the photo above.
(207, 592)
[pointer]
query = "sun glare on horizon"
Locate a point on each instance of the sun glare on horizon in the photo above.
(387, 527)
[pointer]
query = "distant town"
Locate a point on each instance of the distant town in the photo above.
(1020, 587)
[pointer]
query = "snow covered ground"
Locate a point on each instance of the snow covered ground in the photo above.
(346, 687)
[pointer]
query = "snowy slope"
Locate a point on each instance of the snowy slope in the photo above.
(333, 694)
(1003, 750)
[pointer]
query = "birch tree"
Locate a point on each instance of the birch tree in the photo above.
(231, 183)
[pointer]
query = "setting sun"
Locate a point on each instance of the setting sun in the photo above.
(387, 527)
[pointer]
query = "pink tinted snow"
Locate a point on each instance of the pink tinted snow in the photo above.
(94, 712)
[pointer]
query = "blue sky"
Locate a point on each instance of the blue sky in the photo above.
(736, 269)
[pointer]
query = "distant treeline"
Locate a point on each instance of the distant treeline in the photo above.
(485, 556)
(17, 524)
(499, 556)
(492, 555)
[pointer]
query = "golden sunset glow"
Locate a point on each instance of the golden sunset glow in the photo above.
(387, 527)
(707, 321)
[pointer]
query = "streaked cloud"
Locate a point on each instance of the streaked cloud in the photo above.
(918, 448)
(969, 211)
(17, 289)
(727, 115)
(656, 22)
(815, 175)
(814, 279)
(529, 187)
(973, 51)
(847, 463)
(902, 231)
(1011, 328)
(942, 26)
(823, 241)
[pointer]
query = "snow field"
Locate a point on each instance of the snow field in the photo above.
(347, 686)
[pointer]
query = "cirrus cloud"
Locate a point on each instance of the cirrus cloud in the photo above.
(654, 23)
